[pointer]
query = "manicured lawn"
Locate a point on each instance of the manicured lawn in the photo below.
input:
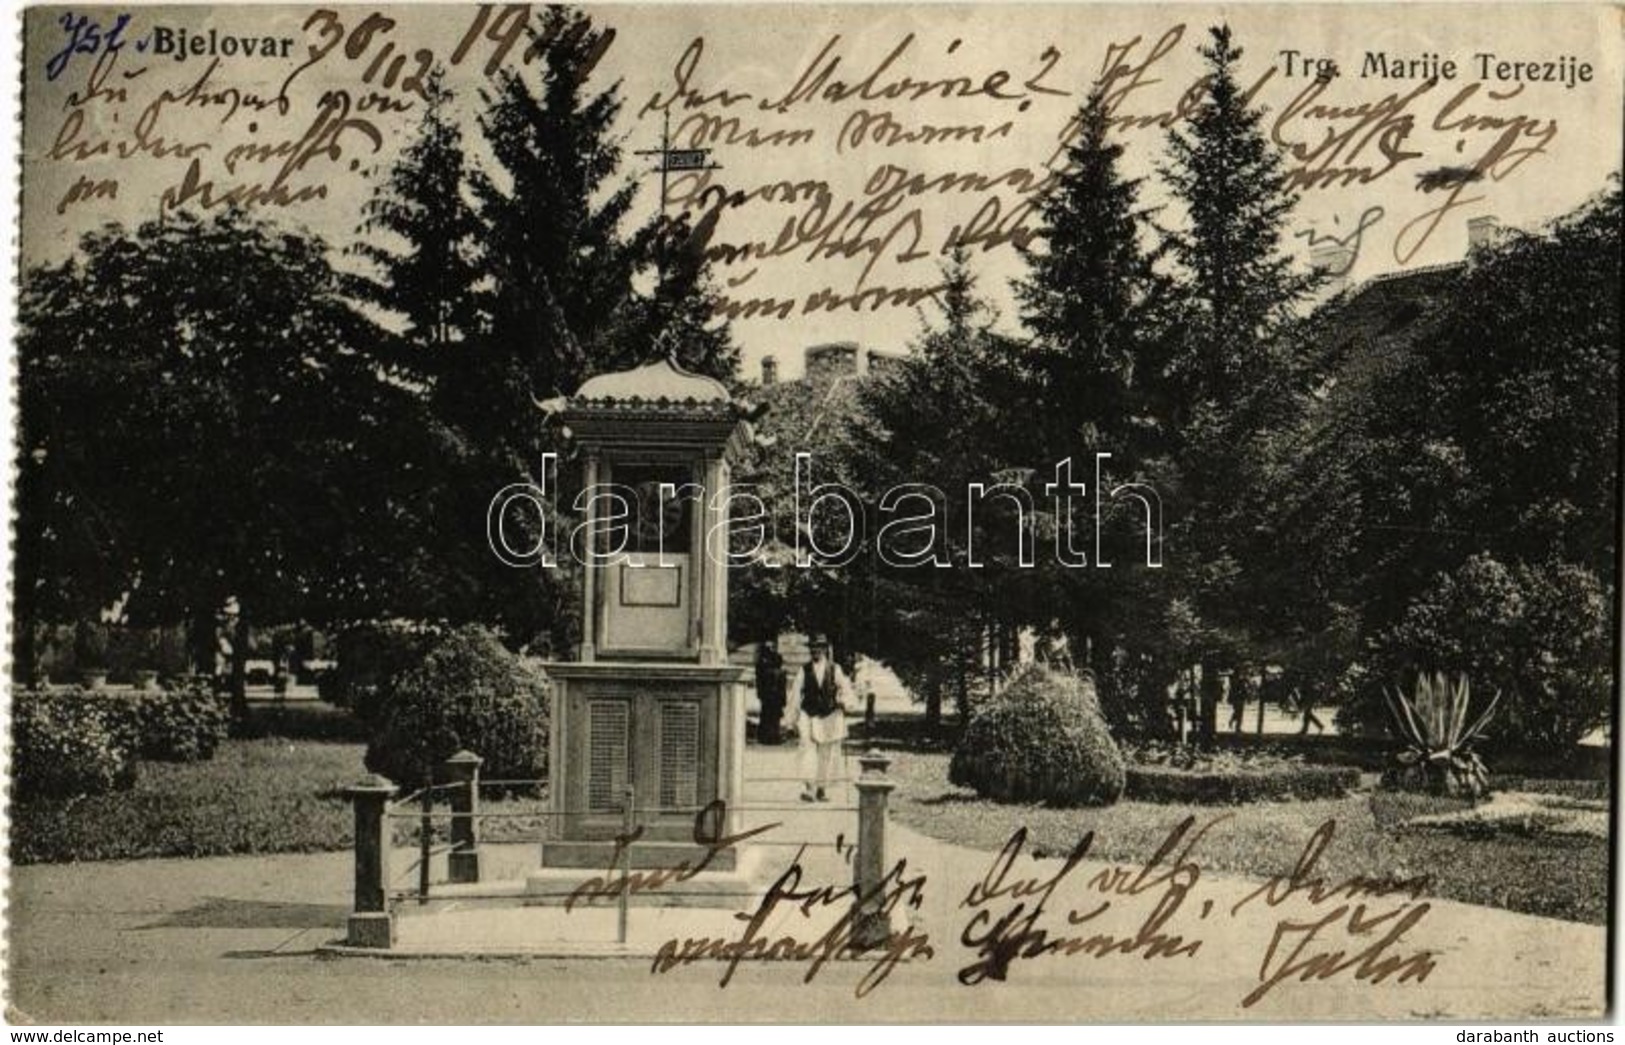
(254, 796)
(270, 795)
(1556, 876)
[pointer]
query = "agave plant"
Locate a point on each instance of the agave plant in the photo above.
(1439, 755)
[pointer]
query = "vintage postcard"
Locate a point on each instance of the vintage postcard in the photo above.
(801, 513)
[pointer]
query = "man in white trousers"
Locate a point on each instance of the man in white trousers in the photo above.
(817, 706)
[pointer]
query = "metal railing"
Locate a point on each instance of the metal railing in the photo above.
(377, 808)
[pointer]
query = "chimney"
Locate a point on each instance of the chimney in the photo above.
(1335, 260)
(830, 361)
(881, 363)
(1481, 231)
(770, 371)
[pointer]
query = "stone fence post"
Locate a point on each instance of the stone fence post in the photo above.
(463, 773)
(871, 921)
(371, 924)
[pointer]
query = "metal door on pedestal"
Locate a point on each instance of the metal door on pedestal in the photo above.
(656, 741)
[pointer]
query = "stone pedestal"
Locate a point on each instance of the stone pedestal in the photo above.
(665, 730)
(370, 929)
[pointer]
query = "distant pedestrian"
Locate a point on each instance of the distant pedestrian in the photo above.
(769, 692)
(1307, 707)
(1238, 701)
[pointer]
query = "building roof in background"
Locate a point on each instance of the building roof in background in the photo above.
(1371, 329)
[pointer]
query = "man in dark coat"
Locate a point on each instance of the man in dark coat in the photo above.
(769, 691)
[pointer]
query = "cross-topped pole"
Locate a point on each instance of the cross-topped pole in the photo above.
(679, 160)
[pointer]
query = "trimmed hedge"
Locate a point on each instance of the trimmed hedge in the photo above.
(469, 692)
(1042, 740)
(64, 746)
(1546, 817)
(1375, 753)
(82, 742)
(1588, 789)
(254, 796)
(1236, 786)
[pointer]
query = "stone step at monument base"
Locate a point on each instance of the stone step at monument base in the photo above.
(661, 877)
(588, 857)
(488, 928)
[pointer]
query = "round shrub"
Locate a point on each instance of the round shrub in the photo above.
(468, 692)
(66, 744)
(1042, 740)
(369, 658)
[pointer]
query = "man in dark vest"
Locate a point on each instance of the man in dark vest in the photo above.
(769, 691)
(818, 707)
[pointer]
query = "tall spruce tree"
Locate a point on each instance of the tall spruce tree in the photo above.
(1238, 284)
(679, 311)
(1090, 299)
(1234, 386)
(564, 261)
(941, 416)
(1093, 304)
(578, 284)
(561, 267)
(420, 235)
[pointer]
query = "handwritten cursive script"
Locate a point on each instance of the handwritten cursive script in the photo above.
(895, 893)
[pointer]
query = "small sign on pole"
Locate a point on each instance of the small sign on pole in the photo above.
(686, 159)
(680, 161)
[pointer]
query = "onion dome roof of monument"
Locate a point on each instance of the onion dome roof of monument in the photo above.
(661, 383)
(682, 406)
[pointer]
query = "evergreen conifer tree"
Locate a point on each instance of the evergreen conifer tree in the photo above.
(679, 312)
(1233, 384)
(425, 264)
(1090, 298)
(555, 250)
(1239, 286)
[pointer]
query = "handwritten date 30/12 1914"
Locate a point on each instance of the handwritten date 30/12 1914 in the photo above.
(1025, 908)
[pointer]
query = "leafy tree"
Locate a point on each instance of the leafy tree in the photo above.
(69, 547)
(1539, 634)
(1527, 360)
(190, 454)
(1461, 472)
